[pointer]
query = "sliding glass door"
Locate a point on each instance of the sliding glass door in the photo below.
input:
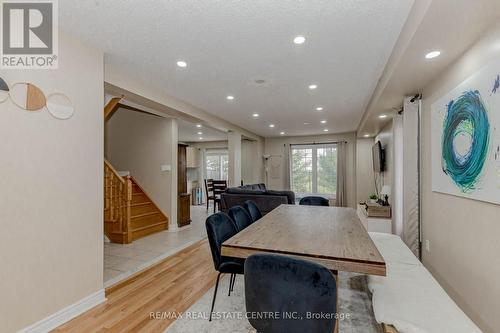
(314, 169)
(216, 164)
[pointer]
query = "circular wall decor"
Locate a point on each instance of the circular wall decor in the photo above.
(465, 140)
(4, 90)
(27, 96)
(60, 106)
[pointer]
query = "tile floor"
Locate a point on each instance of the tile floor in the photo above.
(123, 260)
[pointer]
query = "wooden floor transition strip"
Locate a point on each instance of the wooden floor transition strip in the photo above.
(171, 286)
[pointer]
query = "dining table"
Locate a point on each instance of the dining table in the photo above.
(331, 236)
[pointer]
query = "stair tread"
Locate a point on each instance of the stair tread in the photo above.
(118, 233)
(146, 214)
(150, 226)
(141, 204)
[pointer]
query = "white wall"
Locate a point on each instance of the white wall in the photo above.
(234, 159)
(275, 146)
(365, 184)
(464, 234)
(252, 162)
(141, 143)
(51, 210)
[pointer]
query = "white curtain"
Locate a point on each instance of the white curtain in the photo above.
(288, 173)
(397, 186)
(411, 219)
(341, 196)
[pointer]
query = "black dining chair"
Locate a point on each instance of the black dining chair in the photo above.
(314, 201)
(285, 285)
(240, 217)
(252, 209)
(220, 228)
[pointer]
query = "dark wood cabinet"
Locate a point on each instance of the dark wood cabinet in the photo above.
(183, 209)
(183, 198)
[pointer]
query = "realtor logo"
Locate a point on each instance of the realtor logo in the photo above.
(29, 34)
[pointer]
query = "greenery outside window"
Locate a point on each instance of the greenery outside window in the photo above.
(314, 169)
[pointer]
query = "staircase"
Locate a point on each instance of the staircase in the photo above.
(145, 217)
(129, 212)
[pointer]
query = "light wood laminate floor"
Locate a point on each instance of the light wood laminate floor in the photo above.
(172, 285)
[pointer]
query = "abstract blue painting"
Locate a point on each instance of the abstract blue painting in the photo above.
(464, 138)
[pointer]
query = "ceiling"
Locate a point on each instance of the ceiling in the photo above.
(409, 74)
(229, 45)
(188, 132)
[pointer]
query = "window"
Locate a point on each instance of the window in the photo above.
(314, 169)
(216, 163)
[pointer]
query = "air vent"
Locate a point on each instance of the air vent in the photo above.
(259, 82)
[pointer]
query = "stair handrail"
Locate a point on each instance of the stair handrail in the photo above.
(113, 170)
(117, 199)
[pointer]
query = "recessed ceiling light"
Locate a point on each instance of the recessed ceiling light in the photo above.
(255, 115)
(307, 123)
(182, 64)
(319, 108)
(282, 133)
(229, 98)
(323, 121)
(433, 54)
(382, 116)
(299, 40)
(313, 86)
(271, 125)
(325, 130)
(366, 135)
(199, 133)
(200, 138)
(198, 125)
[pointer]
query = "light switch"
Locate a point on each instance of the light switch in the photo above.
(166, 167)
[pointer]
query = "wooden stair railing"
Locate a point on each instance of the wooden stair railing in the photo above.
(117, 203)
(129, 212)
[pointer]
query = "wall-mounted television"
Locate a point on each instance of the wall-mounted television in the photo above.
(378, 157)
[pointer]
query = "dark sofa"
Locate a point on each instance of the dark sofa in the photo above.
(265, 199)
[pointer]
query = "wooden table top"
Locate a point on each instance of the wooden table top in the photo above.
(331, 236)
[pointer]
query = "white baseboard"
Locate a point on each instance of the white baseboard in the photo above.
(66, 314)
